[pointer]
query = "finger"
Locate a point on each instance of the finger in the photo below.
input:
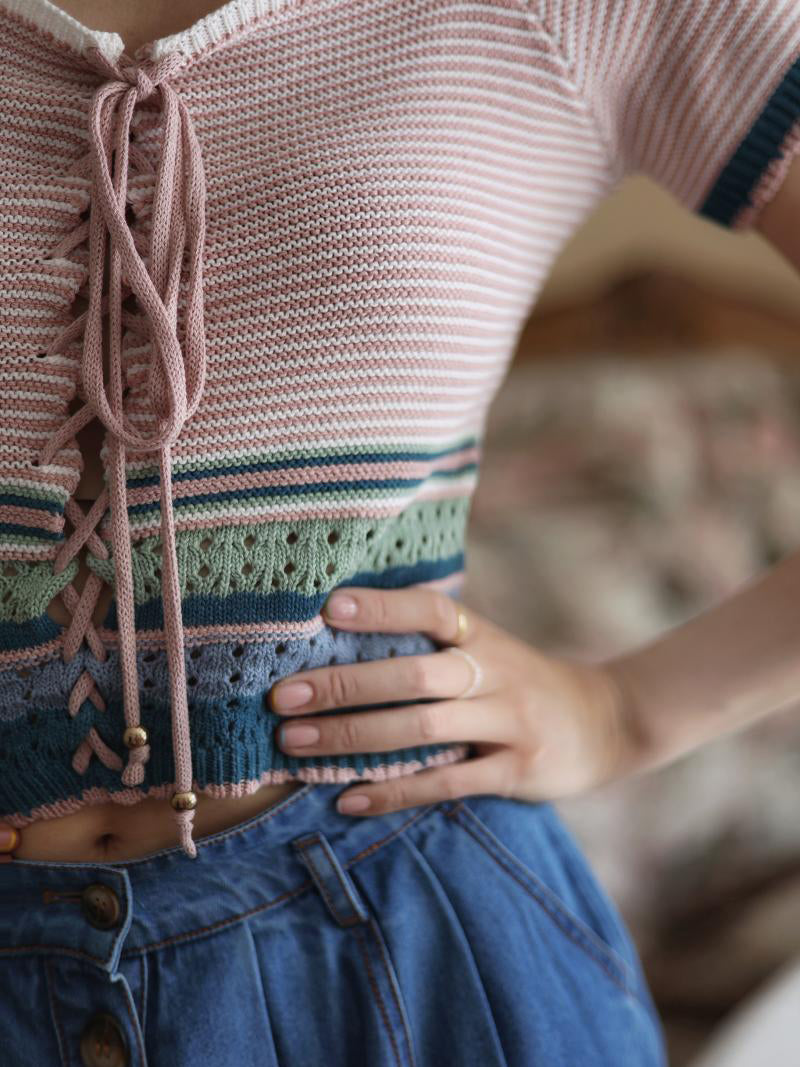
(429, 677)
(411, 608)
(9, 840)
(484, 719)
(484, 774)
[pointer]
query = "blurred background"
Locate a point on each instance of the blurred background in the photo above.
(641, 462)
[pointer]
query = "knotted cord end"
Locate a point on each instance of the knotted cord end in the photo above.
(185, 820)
(134, 769)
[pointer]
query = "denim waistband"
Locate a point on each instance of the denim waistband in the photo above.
(104, 911)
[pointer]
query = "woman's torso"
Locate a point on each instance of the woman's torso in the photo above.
(362, 291)
(112, 831)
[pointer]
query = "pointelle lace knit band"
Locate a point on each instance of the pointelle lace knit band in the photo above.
(177, 377)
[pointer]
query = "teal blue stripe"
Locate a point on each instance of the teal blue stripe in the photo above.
(35, 503)
(28, 634)
(42, 773)
(303, 489)
(17, 530)
(299, 462)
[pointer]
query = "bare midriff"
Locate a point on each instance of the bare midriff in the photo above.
(111, 831)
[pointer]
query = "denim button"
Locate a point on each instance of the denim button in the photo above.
(100, 905)
(103, 1043)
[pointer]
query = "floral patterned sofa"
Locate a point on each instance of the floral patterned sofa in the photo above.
(617, 497)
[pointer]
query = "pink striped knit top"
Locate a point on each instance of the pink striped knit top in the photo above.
(324, 223)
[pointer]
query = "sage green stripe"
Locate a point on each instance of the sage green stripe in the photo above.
(27, 587)
(311, 556)
(33, 539)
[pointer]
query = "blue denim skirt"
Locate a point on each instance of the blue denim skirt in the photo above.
(470, 933)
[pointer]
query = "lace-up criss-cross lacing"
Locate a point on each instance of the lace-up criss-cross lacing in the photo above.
(176, 377)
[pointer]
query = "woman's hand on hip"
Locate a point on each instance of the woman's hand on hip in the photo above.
(541, 726)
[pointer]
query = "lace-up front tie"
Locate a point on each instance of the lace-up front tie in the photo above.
(175, 381)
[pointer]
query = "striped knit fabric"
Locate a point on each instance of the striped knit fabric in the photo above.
(387, 185)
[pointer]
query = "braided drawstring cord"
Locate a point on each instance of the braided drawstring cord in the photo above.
(175, 385)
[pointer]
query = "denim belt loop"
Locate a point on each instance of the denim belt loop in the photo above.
(334, 884)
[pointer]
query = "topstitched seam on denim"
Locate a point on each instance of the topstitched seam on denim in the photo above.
(469, 955)
(62, 1045)
(428, 810)
(343, 920)
(143, 990)
(220, 924)
(77, 953)
(361, 939)
(131, 1007)
(602, 947)
(563, 922)
(348, 892)
(386, 966)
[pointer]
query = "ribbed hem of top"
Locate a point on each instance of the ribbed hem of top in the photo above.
(374, 767)
(758, 167)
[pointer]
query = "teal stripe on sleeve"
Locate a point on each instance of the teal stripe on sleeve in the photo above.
(740, 176)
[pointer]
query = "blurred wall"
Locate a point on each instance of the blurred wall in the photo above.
(641, 224)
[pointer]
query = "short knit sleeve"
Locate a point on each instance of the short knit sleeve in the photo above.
(703, 96)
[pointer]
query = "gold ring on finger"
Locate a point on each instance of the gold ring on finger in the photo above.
(463, 625)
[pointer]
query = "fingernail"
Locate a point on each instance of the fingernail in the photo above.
(299, 735)
(292, 695)
(351, 804)
(9, 839)
(340, 606)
